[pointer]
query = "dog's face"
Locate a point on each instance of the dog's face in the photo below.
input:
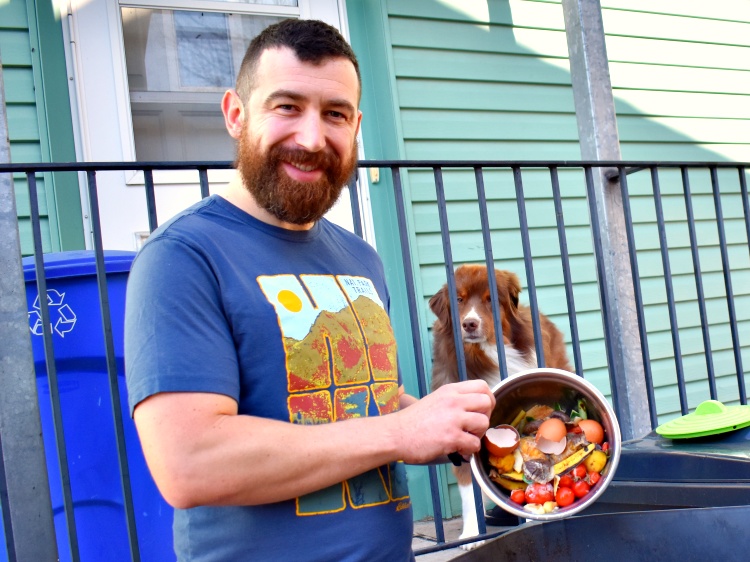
(475, 306)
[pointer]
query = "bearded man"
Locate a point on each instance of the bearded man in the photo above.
(253, 324)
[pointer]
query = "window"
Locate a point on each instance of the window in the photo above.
(146, 78)
(179, 63)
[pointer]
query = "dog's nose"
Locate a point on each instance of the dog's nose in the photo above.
(470, 325)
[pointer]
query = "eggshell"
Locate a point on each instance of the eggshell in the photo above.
(552, 429)
(552, 447)
(501, 440)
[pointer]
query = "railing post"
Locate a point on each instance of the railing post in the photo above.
(27, 509)
(597, 129)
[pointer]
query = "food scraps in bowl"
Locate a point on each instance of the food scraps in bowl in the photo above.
(556, 460)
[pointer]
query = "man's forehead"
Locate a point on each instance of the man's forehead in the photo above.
(282, 63)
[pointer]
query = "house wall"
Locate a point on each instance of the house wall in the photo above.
(38, 110)
(478, 79)
(681, 80)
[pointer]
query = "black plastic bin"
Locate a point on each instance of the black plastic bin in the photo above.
(719, 533)
(658, 473)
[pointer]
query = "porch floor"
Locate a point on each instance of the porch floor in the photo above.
(424, 537)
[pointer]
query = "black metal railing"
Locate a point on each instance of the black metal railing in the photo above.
(592, 180)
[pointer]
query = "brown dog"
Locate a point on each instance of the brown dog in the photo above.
(480, 348)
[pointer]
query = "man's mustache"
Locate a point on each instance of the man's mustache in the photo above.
(303, 157)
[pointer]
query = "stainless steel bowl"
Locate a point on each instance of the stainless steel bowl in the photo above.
(548, 386)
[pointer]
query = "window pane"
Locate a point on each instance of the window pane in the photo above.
(179, 64)
(265, 2)
(203, 49)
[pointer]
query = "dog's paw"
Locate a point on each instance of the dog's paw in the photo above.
(471, 545)
(467, 534)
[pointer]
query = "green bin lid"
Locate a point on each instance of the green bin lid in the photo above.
(710, 418)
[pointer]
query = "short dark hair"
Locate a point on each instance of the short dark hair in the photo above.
(312, 41)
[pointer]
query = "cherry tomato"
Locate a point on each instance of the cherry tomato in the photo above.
(566, 481)
(518, 496)
(539, 493)
(576, 429)
(579, 471)
(564, 496)
(594, 477)
(581, 488)
(605, 446)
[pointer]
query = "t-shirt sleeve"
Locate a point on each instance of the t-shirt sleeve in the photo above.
(177, 338)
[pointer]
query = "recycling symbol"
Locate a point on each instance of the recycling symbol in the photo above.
(62, 317)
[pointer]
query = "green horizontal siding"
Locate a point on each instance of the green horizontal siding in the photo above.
(479, 67)
(24, 230)
(14, 43)
(23, 123)
(22, 196)
(484, 96)
(681, 75)
(39, 119)
(22, 115)
(23, 84)
(491, 80)
(487, 126)
(446, 149)
(466, 37)
(677, 104)
(685, 70)
(675, 79)
(25, 152)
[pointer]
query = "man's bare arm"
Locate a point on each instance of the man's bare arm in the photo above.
(201, 452)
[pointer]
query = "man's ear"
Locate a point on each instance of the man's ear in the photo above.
(234, 113)
(359, 122)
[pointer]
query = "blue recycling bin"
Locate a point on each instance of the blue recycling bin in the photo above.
(86, 409)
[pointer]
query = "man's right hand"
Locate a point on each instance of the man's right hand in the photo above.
(451, 419)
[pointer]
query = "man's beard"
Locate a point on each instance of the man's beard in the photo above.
(286, 199)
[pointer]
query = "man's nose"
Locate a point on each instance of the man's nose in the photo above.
(311, 133)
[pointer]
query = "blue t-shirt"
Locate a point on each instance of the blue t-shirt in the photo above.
(294, 326)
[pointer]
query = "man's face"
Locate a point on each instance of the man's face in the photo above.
(298, 148)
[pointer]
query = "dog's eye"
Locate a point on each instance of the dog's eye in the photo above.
(459, 299)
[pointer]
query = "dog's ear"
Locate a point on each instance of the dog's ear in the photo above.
(514, 288)
(513, 285)
(440, 306)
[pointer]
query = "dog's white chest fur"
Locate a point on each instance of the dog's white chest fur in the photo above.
(514, 360)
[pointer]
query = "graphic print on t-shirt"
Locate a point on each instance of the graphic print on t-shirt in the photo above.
(341, 364)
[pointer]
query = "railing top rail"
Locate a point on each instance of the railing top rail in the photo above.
(224, 164)
(547, 164)
(113, 166)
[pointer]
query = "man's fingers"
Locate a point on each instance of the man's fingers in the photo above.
(476, 424)
(473, 401)
(477, 391)
(470, 386)
(469, 445)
